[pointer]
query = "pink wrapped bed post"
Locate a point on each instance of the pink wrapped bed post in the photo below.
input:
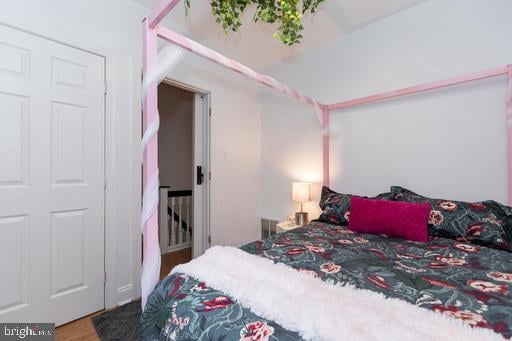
(151, 248)
(325, 145)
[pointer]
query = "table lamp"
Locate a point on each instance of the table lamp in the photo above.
(301, 193)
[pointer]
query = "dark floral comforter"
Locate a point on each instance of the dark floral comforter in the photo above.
(465, 281)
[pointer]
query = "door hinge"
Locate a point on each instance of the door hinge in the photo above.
(106, 88)
(209, 175)
(105, 184)
(105, 277)
(209, 240)
(210, 112)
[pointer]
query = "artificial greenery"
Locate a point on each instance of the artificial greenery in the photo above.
(286, 13)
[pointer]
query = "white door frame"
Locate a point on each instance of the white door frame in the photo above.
(202, 242)
(113, 295)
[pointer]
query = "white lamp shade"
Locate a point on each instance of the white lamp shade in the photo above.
(301, 191)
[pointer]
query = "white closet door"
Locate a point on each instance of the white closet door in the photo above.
(51, 180)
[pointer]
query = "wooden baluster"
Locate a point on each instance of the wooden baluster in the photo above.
(172, 224)
(180, 226)
(169, 204)
(169, 225)
(190, 218)
(189, 226)
(163, 220)
(184, 219)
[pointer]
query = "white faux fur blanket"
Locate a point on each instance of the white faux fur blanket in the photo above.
(318, 310)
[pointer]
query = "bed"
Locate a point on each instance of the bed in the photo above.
(466, 276)
(458, 279)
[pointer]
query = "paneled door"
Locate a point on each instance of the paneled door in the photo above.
(51, 180)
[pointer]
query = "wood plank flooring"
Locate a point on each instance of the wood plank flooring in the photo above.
(170, 260)
(83, 330)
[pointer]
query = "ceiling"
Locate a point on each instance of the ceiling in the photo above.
(253, 43)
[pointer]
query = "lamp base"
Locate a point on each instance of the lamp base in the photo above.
(301, 218)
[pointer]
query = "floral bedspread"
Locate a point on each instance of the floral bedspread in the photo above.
(465, 281)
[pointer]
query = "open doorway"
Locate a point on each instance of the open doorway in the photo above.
(183, 153)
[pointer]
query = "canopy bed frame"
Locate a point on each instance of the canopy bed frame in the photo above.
(152, 31)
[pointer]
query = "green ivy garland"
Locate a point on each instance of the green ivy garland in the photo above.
(287, 13)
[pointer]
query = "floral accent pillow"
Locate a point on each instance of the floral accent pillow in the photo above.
(336, 206)
(486, 223)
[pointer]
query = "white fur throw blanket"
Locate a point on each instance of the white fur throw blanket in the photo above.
(318, 310)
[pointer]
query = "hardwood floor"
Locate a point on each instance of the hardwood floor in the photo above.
(83, 330)
(170, 260)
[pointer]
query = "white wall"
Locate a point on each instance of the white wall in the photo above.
(175, 145)
(448, 143)
(235, 150)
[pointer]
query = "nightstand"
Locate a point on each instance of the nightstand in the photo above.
(286, 226)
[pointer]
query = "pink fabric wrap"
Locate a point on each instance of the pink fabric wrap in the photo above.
(393, 218)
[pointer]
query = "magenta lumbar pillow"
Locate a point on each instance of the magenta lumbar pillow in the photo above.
(393, 218)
